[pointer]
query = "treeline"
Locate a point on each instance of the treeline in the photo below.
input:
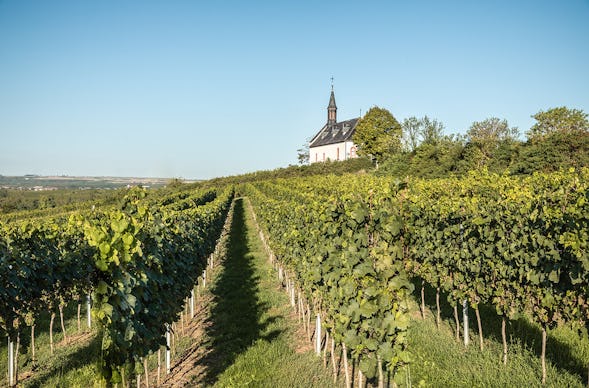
(418, 147)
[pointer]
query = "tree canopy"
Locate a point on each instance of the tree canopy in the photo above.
(558, 140)
(421, 131)
(561, 119)
(486, 136)
(378, 133)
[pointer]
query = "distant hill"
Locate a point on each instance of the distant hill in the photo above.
(44, 183)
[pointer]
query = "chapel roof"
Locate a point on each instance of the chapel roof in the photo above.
(335, 133)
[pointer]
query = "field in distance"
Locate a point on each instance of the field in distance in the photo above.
(42, 183)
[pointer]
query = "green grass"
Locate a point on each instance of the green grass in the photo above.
(72, 364)
(253, 336)
(441, 361)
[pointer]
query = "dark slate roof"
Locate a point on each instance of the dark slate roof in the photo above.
(332, 101)
(335, 133)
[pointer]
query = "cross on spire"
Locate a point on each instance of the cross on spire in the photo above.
(332, 83)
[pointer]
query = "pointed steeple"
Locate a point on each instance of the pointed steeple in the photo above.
(331, 109)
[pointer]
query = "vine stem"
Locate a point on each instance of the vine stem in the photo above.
(51, 331)
(422, 300)
(457, 322)
(504, 338)
(299, 308)
(62, 323)
(308, 322)
(476, 311)
(333, 363)
(438, 307)
(543, 357)
(159, 364)
(325, 349)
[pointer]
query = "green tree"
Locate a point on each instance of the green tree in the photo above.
(558, 139)
(411, 133)
(377, 134)
(431, 130)
(555, 151)
(486, 137)
(562, 119)
(421, 131)
(439, 159)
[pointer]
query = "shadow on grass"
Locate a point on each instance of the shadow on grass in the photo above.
(61, 364)
(236, 310)
(519, 330)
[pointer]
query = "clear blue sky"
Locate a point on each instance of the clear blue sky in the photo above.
(199, 89)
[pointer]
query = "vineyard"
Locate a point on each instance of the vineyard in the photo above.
(357, 255)
(139, 263)
(516, 244)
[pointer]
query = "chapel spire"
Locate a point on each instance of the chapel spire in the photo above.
(331, 108)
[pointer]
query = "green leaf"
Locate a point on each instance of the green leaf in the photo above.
(104, 248)
(102, 287)
(101, 265)
(119, 225)
(127, 240)
(554, 276)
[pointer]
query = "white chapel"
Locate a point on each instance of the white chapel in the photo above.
(334, 140)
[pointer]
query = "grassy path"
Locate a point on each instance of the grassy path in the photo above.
(249, 335)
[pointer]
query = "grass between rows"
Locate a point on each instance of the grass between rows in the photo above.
(439, 360)
(73, 361)
(254, 331)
